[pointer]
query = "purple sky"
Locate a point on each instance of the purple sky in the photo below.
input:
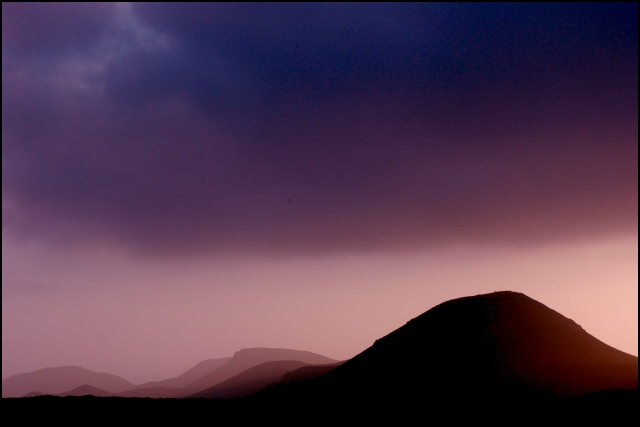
(184, 180)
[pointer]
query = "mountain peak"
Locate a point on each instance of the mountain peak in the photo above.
(497, 343)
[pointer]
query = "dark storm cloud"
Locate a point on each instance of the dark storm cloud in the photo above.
(321, 127)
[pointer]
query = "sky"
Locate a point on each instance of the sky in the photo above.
(181, 181)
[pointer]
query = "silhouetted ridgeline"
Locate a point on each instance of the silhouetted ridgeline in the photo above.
(489, 356)
(234, 371)
(500, 357)
(61, 379)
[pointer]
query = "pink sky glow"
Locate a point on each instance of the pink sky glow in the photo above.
(146, 320)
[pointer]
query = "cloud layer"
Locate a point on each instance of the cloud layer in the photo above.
(295, 128)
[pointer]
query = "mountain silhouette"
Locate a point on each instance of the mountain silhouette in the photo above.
(472, 352)
(60, 380)
(216, 371)
(75, 381)
(307, 373)
(251, 380)
(497, 344)
(501, 357)
(248, 358)
(175, 387)
(193, 374)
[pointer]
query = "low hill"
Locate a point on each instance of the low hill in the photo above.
(61, 379)
(87, 390)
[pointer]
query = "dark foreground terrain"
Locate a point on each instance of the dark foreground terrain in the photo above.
(620, 407)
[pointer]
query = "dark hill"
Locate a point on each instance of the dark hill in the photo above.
(251, 380)
(308, 372)
(474, 352)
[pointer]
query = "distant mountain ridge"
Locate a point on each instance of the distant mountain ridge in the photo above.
(60, 380)
(251, 380)
(471, 352)
(193, 374)
(206, 374)
(250, 357)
